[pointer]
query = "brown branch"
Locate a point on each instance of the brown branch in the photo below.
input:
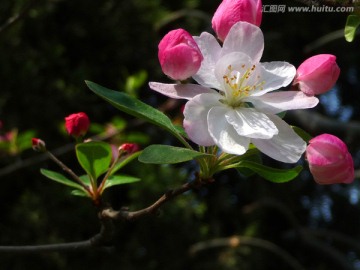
(101, 240)
(68, 171)
(125, 214)
(17, 17)
(107, 217)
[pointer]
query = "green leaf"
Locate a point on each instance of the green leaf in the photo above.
(134, 107)
(115, 180)
(302, 133)
(352, 23)
(86, 180)
(94, 157)
(80, 193)
(255, 158)
(165, 154)
(57, 177)
(271, 174)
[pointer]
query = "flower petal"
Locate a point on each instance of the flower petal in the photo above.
(210, 50)
(224, 134)
(250, 123)
(277, 102)
(196, 113)
(286, 147)
(246, 38)
(275, 75)
(180, 91)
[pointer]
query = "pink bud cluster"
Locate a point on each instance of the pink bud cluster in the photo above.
(179, 55)
(317, 74)
(329, 160)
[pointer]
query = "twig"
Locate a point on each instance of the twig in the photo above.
(44, 156)
(17, 17)
(69, 171)
(100, 240)
(124, 214)
(107, 217)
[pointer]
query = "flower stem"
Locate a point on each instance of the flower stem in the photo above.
(69, 171)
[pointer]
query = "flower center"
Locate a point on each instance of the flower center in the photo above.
(239, 84)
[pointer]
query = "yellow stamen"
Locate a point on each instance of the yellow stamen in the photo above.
(239, 83)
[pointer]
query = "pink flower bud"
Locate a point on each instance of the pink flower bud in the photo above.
(38, 145)
(179, 55)
(77, 124)
(329, 160)
(317, 74)
(129, 148)
(232, 11)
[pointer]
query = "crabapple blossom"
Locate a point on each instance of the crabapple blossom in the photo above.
(179, 55)
(232, 11)
(317, 74)
(234, 105)
(77, 124)
(329, 160)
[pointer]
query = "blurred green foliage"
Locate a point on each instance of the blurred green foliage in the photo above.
(58, 44)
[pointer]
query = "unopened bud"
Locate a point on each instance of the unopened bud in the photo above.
(129, 148)
(38, 145)
(77, 124)
(179, 55)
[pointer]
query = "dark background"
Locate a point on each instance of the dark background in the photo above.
(57, 44)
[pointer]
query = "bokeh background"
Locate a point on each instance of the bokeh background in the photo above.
(237, 222)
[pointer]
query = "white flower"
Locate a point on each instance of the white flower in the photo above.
(232, 105)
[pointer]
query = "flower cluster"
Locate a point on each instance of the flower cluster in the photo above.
(237, 99)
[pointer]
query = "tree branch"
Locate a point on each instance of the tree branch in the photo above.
(17, 17)
(100, 240)
(107, 217)
(125, 214)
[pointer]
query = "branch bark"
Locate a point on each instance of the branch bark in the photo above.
(107, 217)
(124, 214)
(17, 17)
(100, 240)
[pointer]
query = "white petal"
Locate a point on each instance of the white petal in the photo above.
(180, 91)
(210, 50)
(275, 75)
(287, 146)
(195, 122)
(224, 134)
(277, 102)
(250, 123)
(244, 37)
